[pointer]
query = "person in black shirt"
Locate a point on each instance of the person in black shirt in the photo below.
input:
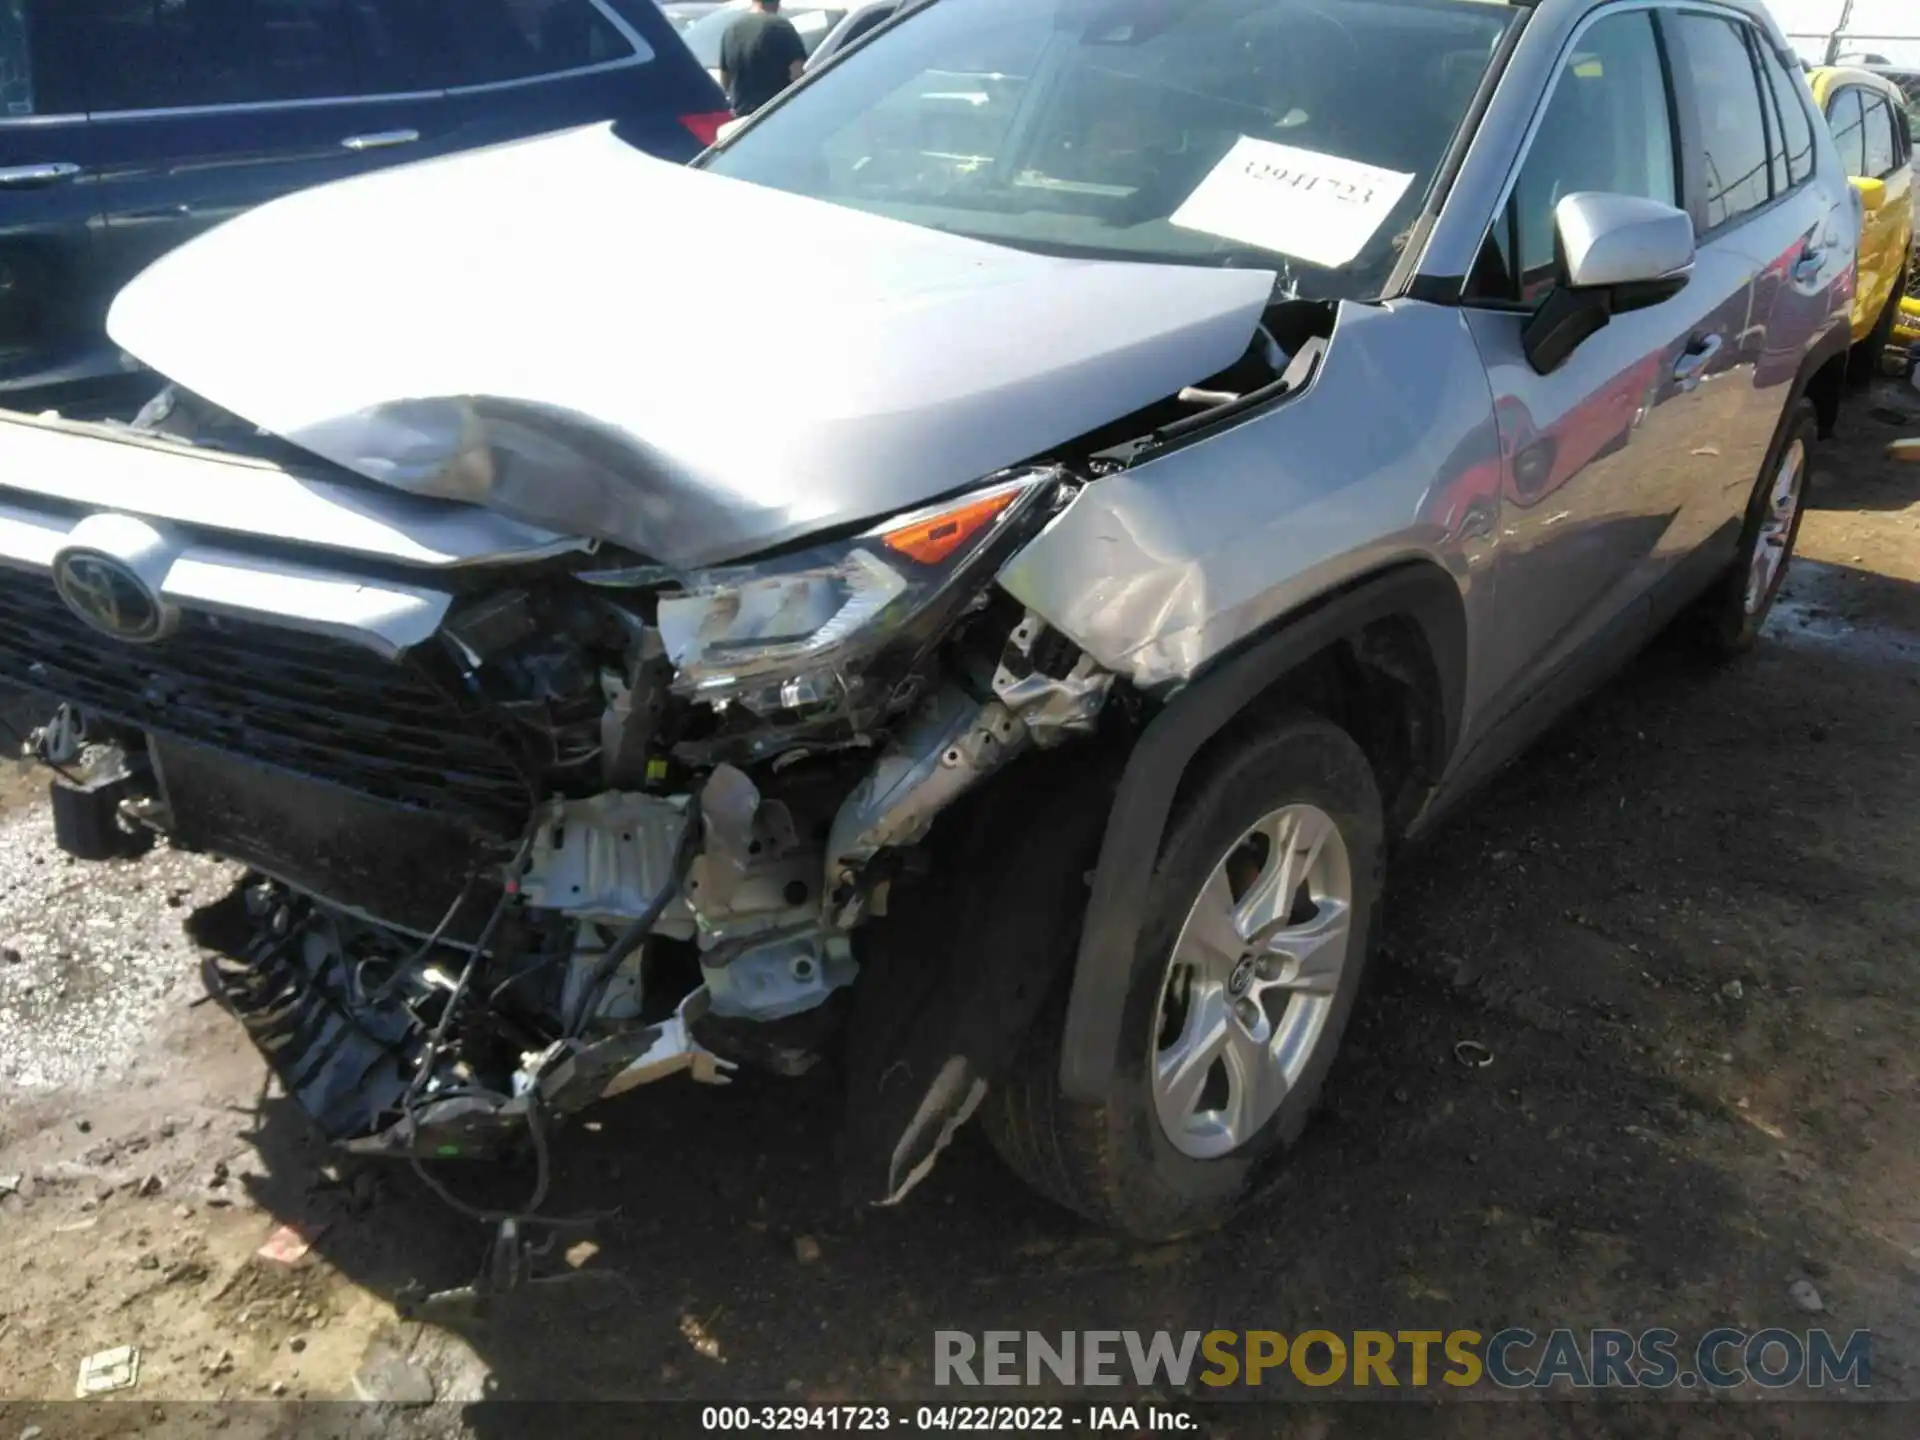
(760, 55)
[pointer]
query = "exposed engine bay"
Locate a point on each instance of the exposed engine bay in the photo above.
(612, 821)
(565, 761)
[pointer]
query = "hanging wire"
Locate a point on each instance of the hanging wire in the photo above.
(412, 1100)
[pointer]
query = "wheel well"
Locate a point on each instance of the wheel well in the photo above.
(1827, 387)
(1381, 684)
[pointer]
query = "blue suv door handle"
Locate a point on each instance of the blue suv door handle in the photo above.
(1691, 368)
(384, 139)
(22, 176)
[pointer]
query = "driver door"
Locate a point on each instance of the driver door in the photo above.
(1603, 455)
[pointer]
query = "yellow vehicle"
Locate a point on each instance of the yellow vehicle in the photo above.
(1868, 116)
(1906, 325)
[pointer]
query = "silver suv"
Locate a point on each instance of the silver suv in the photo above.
(1204, 440)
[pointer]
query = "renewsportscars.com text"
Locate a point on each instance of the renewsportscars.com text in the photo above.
(1512, 1359)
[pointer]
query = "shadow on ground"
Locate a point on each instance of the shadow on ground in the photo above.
(1890, 411)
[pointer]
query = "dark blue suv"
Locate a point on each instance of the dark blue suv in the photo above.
(128, 126)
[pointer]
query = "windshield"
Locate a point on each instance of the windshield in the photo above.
(1301, 135)
(813, 22)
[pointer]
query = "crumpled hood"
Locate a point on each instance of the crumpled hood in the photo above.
(736, 366)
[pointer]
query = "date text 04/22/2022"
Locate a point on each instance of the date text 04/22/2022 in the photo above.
(1008, 1419)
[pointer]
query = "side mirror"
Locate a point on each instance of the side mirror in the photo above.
(1873, 194)
(1615, 253)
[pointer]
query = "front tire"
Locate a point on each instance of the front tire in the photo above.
(1256, 939)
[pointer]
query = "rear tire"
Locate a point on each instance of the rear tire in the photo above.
(1729, 617)
(1123, 1164)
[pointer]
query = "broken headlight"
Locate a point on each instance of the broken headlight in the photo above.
(790, 632)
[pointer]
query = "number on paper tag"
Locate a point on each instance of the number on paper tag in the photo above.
(1318, 208)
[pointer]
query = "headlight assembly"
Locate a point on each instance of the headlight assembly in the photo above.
(793, 632)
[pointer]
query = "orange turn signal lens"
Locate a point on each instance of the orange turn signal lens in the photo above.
(932, 538)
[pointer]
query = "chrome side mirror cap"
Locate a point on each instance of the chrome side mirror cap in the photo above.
(1615, 253)
(1614, 242)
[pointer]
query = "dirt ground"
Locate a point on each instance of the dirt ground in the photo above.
(1686, 927)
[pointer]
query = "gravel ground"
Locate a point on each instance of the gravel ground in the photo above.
(1684, 926)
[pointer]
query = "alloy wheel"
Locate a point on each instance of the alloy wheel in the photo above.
(1776, 527)
(1251, 981)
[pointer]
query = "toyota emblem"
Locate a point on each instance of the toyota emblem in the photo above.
(110, 596)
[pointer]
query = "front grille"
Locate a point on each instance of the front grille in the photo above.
(307, 704)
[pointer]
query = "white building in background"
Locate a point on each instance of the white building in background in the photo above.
(1882, 27)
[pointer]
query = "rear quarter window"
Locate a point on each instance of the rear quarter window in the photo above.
(1794, 145)
(1883, 151)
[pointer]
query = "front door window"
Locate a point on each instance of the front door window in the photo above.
(1607, 127)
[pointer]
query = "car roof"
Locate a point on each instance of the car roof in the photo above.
(1755, 10)
(1824, 79)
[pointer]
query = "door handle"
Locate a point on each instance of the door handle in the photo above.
(1806, 270)
(23, 176)
(380, 140)
(1691, 368)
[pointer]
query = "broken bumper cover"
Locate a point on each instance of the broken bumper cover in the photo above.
(561, 744)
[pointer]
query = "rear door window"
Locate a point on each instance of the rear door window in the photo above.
(457, 44)
(1849, 131)
(1733, 131)
(1882, 154)
(180, 54)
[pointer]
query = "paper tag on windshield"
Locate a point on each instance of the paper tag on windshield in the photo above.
(1314, 207)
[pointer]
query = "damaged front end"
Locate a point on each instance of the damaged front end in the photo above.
(609, 822)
